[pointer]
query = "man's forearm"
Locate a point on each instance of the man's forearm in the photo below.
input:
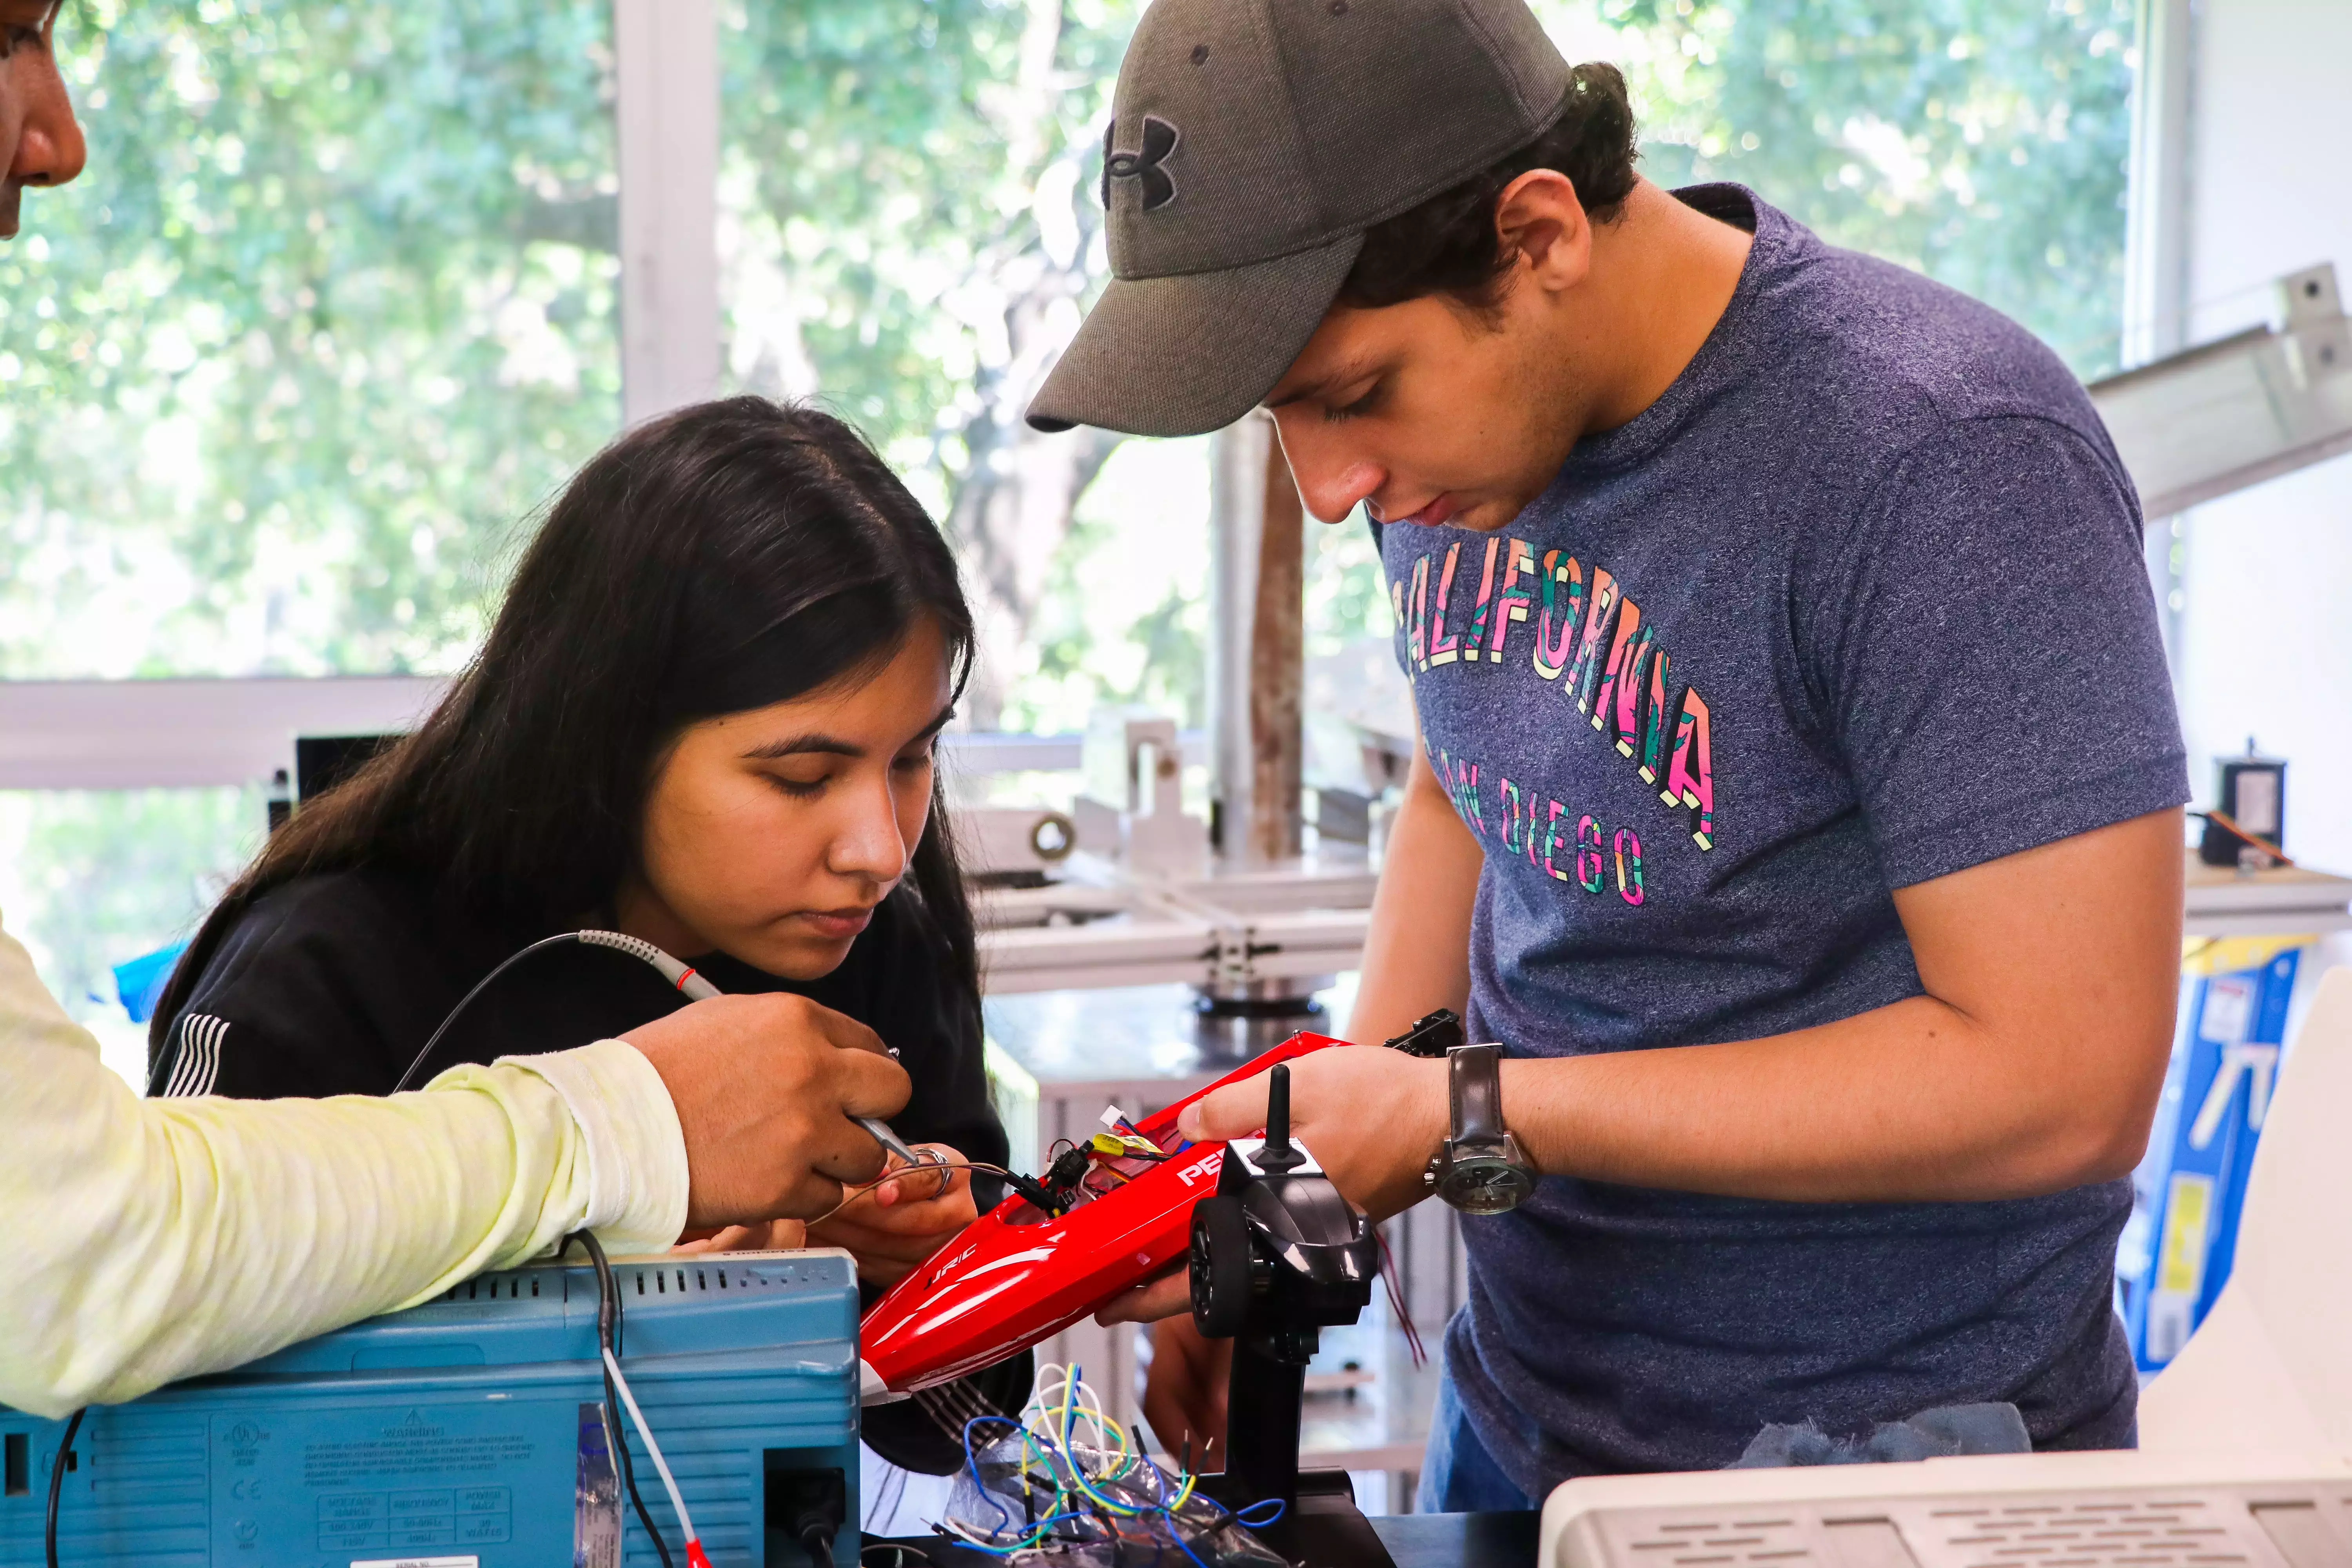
(1907, 1102)
(2032, 1063)
(1912, 1101)
(152, 1241)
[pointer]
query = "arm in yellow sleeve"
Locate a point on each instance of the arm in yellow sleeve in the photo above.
(149, 1240)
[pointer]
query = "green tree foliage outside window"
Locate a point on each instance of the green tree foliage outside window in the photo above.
(1984, 142)
(333, 308)
(910, 232)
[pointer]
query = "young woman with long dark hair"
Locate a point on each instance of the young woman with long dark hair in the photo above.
(705, 717)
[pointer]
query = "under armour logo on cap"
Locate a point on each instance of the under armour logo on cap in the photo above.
(1159, 138)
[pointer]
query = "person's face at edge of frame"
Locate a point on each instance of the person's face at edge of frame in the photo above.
(1433, 412)
(40, 144)
(772, 835)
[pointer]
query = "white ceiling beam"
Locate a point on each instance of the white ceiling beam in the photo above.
(141, 734)
(666, 60)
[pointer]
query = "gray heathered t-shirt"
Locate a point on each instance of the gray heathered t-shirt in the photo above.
(1857, 604)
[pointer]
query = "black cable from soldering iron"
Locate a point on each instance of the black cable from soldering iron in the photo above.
(58, 1480)
(467, 1001)
(608, 1334)
(163, 1070)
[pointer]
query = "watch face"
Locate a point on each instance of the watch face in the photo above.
(1486, 1183)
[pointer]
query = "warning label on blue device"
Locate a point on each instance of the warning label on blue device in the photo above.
(437, 1484)
(459, 1516)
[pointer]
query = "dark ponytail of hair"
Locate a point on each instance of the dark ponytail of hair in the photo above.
(726, 557)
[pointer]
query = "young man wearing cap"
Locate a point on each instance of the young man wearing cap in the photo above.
(1797, 803)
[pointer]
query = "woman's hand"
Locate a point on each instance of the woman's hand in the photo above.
(894, 1226)
(761, 1236)
(1184, 1392)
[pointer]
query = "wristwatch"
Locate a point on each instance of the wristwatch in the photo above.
(1480, 1169)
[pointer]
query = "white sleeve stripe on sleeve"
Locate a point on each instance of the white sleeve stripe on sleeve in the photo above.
(183, 1059)
(179, 1059)
(198, 1067)
(215, 1037)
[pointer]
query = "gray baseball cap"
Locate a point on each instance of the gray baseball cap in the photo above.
(1252, 144)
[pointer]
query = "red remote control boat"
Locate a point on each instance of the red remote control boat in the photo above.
(1118, 1211)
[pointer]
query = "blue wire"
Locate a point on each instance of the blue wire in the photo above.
(971, 1463)
(1221, 1512)
(1158, 1476)
(1175, 1524)
(1183, 1545)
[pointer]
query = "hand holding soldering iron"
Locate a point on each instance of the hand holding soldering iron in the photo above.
(765, 1087)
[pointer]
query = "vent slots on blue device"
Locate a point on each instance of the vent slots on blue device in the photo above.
(478, 1431)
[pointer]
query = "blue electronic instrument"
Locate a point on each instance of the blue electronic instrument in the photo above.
(470, 1433)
